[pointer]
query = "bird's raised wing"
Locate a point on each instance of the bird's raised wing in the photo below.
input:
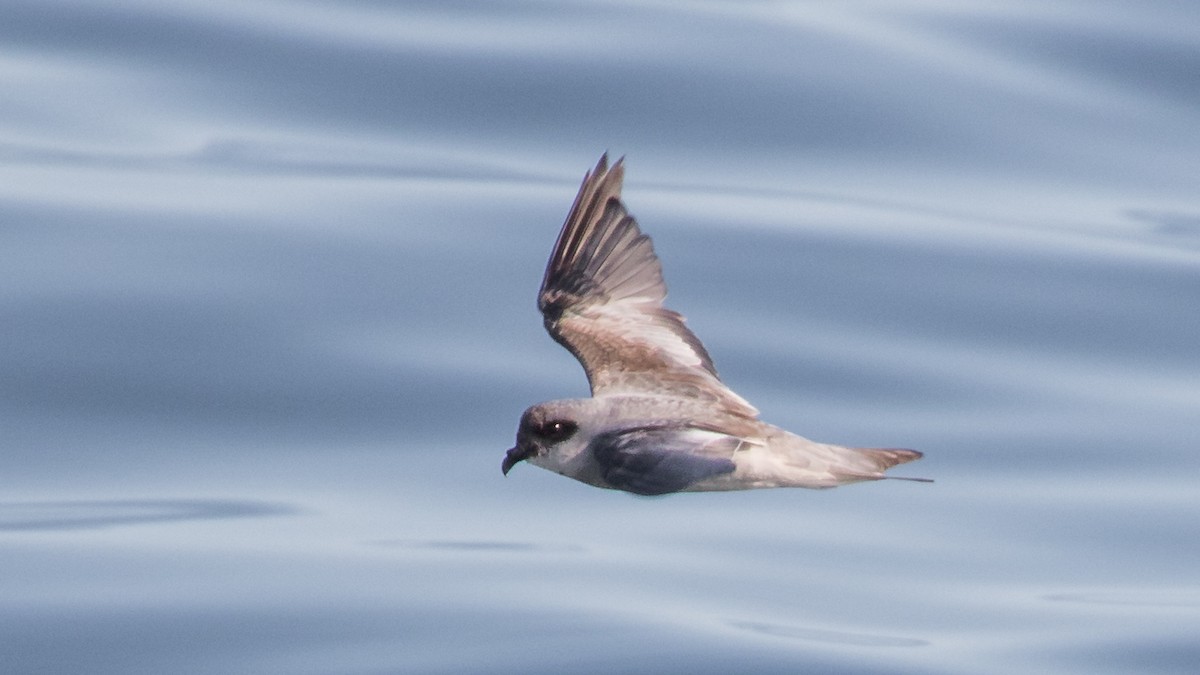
(602, 299)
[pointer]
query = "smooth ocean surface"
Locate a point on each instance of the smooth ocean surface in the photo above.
(267, 323)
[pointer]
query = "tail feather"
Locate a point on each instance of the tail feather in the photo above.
(886, 458)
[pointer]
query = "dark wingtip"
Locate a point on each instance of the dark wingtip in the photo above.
(602, 167)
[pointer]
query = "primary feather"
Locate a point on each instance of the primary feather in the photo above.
(602, 296)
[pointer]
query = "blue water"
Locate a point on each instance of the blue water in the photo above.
(267, 322)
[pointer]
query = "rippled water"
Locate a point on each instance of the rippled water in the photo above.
(267, 277)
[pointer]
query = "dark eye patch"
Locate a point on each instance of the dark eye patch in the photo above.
(557, 430)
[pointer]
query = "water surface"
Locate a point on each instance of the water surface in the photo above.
(267, 278)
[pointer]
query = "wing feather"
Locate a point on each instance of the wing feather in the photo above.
(602, 296)
(661, 460)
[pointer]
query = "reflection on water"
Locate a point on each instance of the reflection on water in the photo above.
(287, 253)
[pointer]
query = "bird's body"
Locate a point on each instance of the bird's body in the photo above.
(659, 420)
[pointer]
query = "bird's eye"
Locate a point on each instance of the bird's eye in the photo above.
(557, 430)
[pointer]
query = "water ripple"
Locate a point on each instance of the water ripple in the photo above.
(94, 514)
(471, 545)
(1182, 598)
(826, 636)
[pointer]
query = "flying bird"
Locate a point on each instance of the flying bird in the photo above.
(659, 419)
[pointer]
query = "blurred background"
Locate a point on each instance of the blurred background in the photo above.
(267, 323)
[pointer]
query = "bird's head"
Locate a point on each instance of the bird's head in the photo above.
(548, 437)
